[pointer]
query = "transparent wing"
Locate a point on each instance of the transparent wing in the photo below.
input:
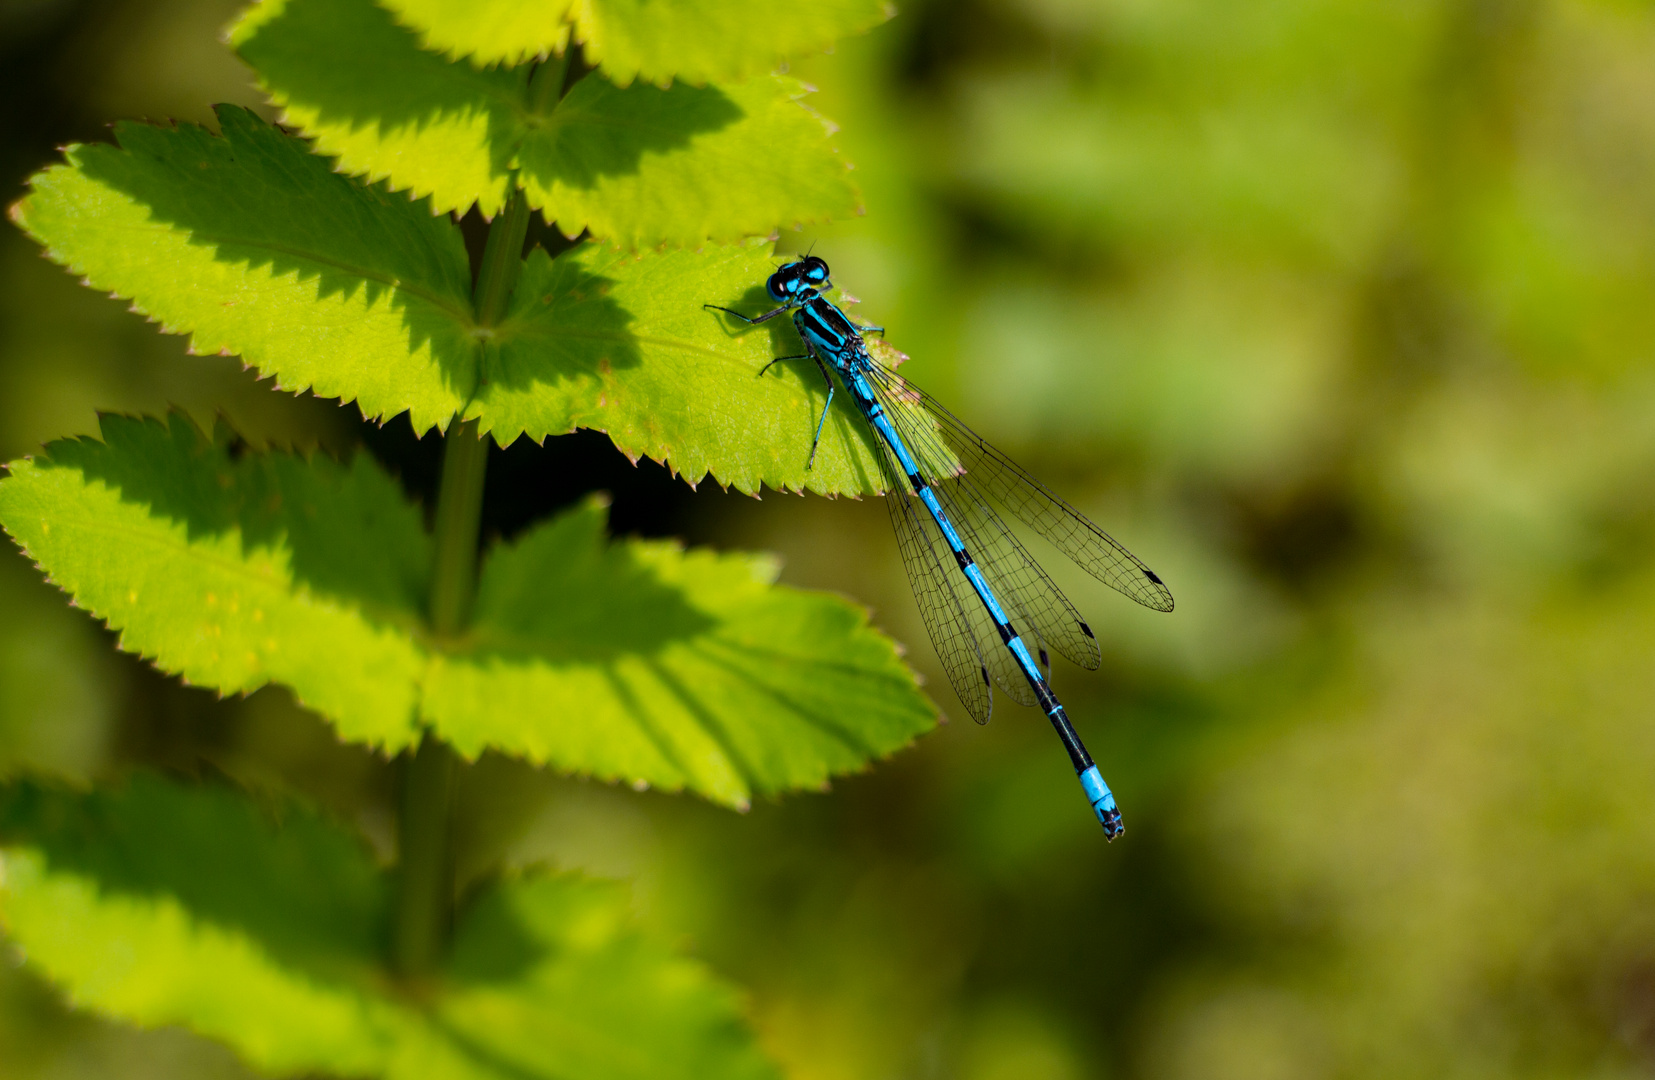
(1008, 676)
(998, 659)
(1035, 605)
(932, 580)
(958, 451)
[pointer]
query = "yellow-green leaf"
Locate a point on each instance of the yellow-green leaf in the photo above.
(657, 40)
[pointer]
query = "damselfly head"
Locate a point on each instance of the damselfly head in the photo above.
(813, 270)
(792, 280)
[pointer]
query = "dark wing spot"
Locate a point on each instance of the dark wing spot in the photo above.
(985, 678)
(1150, 574)
(1087, 630)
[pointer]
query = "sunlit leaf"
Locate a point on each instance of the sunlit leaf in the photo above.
(602, 339)
(635, 661)
(161, 905)
(643, 165)
(489, 31)
(640, 661)
(253, 246)
(639, 165)
(690, 40)
(235, 574)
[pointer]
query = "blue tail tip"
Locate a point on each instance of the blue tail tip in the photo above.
(1103, 803)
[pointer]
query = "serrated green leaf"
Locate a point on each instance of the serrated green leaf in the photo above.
(712, 39)
(250, 244)
(490, 31)
(158, 905)
(635, 661)
(638, 166)
(684, 669)
(359, 84)
(494, 31)
(601, 339)
(690, 40)
(234, 574)
(641, 166)
(254, 246)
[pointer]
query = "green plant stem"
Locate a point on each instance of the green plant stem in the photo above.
(425, 893)
(425, 887)
(502, 258)
(459, 515)
(425, 883)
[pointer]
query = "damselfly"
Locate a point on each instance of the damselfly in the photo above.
(984, 598)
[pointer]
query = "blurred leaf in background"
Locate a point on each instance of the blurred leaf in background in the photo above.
(1338, 314)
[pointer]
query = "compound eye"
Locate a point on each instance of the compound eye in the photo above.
(815, 269)
(778, 286)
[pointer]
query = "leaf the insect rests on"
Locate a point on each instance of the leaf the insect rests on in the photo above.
(158, 904)
(598, 338)
(655, 40)
(639, 165)
(631, 661)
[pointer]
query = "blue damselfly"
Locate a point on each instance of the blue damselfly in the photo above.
(983, 597)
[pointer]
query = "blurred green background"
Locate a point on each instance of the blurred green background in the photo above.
(1341, 315)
